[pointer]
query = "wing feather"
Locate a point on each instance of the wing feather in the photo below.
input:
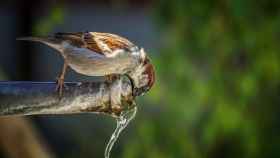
(79, 40)
(113, 41)
(101, 43)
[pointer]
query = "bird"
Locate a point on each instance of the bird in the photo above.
(101, 54)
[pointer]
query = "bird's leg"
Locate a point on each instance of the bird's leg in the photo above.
(60, 79)
(110, 78)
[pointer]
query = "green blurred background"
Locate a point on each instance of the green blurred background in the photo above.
(217, 91)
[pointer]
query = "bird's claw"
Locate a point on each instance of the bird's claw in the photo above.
(60, 86)
(111, 78)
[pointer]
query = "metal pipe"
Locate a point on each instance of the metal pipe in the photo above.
(34, 98)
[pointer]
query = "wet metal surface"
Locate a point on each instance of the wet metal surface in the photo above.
(31, 98)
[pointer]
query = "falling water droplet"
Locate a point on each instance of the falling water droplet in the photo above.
(122, 121)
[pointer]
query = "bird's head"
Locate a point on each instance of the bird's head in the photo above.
(143, 76)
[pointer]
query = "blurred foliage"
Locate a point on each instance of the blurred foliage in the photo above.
(217, 92)
(218, 82)
(45, 25)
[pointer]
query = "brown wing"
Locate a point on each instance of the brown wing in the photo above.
(80, 39)
(113, 41)
(101, 43)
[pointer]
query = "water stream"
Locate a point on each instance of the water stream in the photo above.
(122, 121)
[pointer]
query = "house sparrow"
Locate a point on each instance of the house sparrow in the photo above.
(101, 54)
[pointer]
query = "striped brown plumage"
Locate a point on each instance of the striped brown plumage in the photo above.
(90, 40)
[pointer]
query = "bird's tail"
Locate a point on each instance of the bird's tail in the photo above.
(37, 39)
(48, 40)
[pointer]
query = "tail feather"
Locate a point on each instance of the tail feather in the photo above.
(37, 39)
(50, 41)
(29, 38)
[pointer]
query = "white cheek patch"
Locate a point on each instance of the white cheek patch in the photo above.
(140, 79)
(144, 79)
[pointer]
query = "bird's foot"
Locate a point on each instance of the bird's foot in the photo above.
(111, 78)
(60, 86)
